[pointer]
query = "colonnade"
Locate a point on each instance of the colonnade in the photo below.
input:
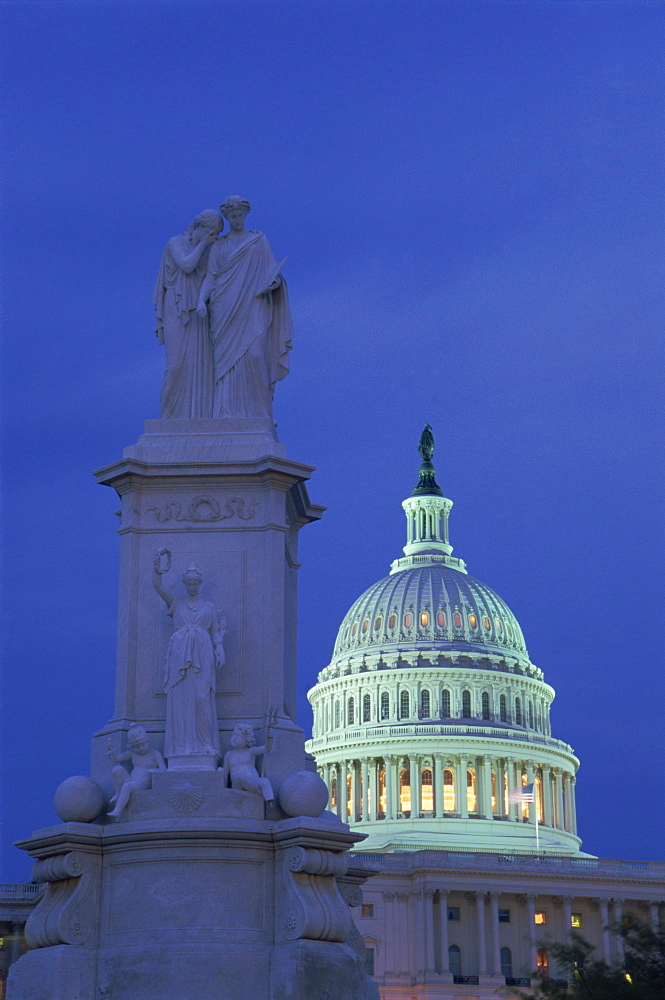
(375, 778)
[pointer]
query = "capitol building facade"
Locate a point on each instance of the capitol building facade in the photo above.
(431, 730)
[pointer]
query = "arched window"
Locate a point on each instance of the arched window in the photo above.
(471, 799)
(506, 962)
(425, 709)
(445, 704)
(382, 791)
(543, 962)
(333, 792)
(385, 705)
(392, 621)
(503, 715)
(457, 618)
(404, 705)
(518, 712)
(486, 705)
(405, 790)
(367, 708)
(530, 715)
(473, 621)
(441, 619)
(466, 704)
(424, 619)
(337, 715)
(448, 790)
(350, 712)
(426, 791)
(455, 960)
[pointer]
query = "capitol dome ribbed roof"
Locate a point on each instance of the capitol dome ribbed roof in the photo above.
(430, 604)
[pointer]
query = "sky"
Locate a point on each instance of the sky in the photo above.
(470, 195)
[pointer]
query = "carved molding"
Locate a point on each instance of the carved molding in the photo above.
(204, 509)
(309, 902)
(68, 911)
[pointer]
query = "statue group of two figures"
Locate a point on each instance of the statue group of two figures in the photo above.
(223, 316)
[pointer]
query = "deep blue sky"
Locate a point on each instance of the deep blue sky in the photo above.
(471, 198)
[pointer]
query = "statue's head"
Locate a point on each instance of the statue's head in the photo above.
(233, 205)
(209, 221)
(192, 579)
(137, 738)
(243, 736)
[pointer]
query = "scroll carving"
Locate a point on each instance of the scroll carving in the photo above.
(66, 914)
(204, 509)
(311, 905)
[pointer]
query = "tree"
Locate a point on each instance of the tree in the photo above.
(641, 977)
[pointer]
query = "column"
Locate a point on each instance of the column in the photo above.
(373, 789)
(605, 934)
(438, 785)
(390, 952)
(337, 769)
(326, 778)
(531, 780)
(655, 916)
(531, 917)
(428, 924)
(502, 768)
(480, 922)
(496, 943)
(573, 806)
(618, 916)
(547, 794)
(461, 799)
(443, 902)
(358, 791)
(402, 939)
(414, 780)
(483, 804)
(514, 783)
(16, 941)
(342, 793)
(558, 791)
(566, 803)
(364, 766)
(567, 917)
(390, 796)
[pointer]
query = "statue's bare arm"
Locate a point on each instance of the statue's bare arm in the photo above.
(188, 261)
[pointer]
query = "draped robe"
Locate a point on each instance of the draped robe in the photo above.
(251, 332)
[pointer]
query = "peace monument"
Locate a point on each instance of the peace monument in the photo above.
(198, 859)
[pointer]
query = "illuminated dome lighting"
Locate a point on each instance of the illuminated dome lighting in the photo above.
(430, 719)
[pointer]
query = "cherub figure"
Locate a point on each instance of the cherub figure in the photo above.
(239, 763)
(144, 760)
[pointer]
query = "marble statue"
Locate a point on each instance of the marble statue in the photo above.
(250, 318)
(195, 651)
(239, 763)
(187, 388)
(145, 761)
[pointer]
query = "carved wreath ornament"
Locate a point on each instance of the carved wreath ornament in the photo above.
(205, 509)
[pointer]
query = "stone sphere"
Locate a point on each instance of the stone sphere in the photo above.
(303, 794)
(78, 800)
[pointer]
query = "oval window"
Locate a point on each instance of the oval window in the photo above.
(392, 621)
(365, 625)
(457, 618)
(408, 620)
(499, 626)
(473, 621)
(355, 628)
(487, 624)
(509, 629)
(377, 624)
(424, 619)
(441, 619)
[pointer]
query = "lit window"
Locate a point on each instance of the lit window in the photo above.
(471, 800)
(408, 620)
(365, 625)
(424, 619)
(441, 620)
(425, 703)
(453, 913)
(426, 791)
(576, 920)
(542, 963)
(392, 621)
(445, 704)
(333, 792)
(382, 791)
(504, 916)
(457, 618)
(493, 784)
(506, 962)
(448, 791)
(355, 628)
(405, 791)
(377, 624)
(369, 961)
(486, 624)
(473, 621)
(540, 917)
(367, 910)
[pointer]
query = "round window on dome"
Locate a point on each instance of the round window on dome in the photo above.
(408, 620)
(487, 623)
(441, 619)
(457, 618)
(392, 621)
(377, 624)
(473, 621)
(365, 625)
(424, 619)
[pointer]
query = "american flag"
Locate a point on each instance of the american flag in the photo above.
(523, 794)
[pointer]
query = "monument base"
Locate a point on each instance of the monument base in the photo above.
(193, 907)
